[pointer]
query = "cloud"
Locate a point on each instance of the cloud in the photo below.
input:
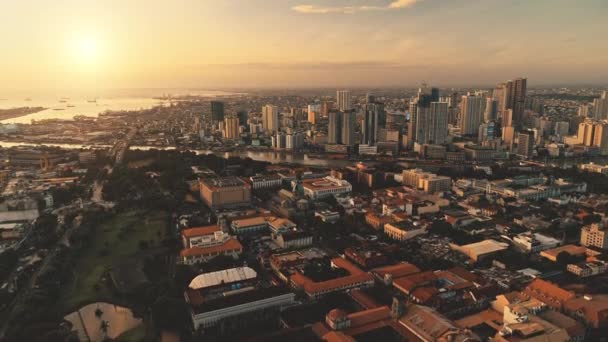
(314, 9)
(312, 66)
(402, 3)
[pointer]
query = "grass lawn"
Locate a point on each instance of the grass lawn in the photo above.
(134, 335)
(116, 240)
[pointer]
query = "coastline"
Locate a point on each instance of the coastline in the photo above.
(13, 113)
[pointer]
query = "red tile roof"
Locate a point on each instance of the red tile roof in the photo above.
(548, 293)
(363, 299)
(200, 231)
(424, 294)
(409, 283)
(230, 245)
(397, 270)
(311, 287)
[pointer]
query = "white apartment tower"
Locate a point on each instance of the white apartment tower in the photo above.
(270, 118)
(344, 100)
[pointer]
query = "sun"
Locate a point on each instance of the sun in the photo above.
(86, 50)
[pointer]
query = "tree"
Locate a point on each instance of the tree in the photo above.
(8, 261)
(171, 314)
(564, 258)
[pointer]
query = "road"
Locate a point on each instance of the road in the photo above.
(63, 240)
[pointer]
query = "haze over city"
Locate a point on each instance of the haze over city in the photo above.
(117, 44)
(303, 171)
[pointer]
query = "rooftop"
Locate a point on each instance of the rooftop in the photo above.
(397, 270)
(227, 276)
(230, 244)
(485, 247)
(356, 275)
(224, 182)
(200, 231)
(236, 299)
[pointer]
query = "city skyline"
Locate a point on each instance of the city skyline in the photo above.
(249, 44)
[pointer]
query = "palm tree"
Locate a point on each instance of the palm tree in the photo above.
(105, 325)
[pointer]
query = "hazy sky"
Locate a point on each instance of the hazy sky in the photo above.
(86, 44)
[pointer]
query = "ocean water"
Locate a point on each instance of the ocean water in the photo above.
(80, 105)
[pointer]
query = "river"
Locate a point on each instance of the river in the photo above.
(267, 156)
(276, 157)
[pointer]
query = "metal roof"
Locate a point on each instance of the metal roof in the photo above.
(228, 276)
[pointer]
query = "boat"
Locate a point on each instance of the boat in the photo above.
(92, 101)
(58, 108)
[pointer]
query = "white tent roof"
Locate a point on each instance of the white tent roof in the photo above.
(228, 276)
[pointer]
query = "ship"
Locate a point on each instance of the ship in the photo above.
(70, 106)
(92, 101)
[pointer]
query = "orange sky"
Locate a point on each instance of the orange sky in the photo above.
(85, 44)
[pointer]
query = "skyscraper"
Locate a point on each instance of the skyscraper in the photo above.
(270, 118)
(499, 94)
(370, 125)
(314, 112)
(491, 109)
(507, 118)
(334, 130)
(419, 108)
(600, 137)
(348, 127)
(432, 123)
(525, 143)
(472, 109)
(243, 117)
(515, 98)
(343, 100)
(583, 110)
(231, 128)
(370, 98)
(600, 107)
(217, 111)
(561, 128)
(487, 131)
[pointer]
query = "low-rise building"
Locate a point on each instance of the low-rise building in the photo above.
(229, 247)
(404, 230)
(481, 250)
(293, 239)
(535, 242)
(250, 225)
(328, 215)
(587, 268)
(265, 181)
(246, 303)
(591, 167)
(595, 235)
(573, 250)
(202, 244)
(356, 278)
(378, 221)
(323, 187)
(198, 236)
(226, 191)
(548, 293)
(426, 181)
